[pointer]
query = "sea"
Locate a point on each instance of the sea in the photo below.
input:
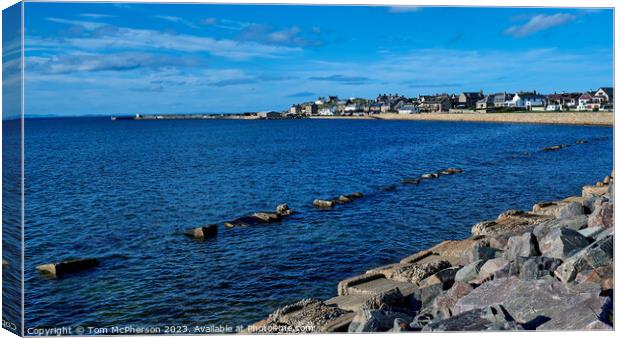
(125, 192)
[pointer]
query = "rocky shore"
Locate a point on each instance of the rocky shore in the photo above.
(550, 268)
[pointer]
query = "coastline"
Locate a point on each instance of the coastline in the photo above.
(568, 118)
(550, 268)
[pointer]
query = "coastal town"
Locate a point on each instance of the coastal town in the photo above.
(465, 102)
(396, 106)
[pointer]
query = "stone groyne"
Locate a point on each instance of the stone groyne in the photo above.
(550, 268)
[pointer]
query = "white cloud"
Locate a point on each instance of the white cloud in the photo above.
(177, 19)
(539, 23)
(110, 38)
(404, 9)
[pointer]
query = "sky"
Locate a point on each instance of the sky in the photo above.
(120, 59)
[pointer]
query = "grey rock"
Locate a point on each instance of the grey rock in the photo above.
(595, 255)
(490, 267)
(323, 204)
(376, 320)
(443, 303)
(522, 246)
(538, 267)
(561, 243)
(481, 252)
(488, 318)
(592, 232)
(384, 299)
(569, 210)
(68, 267)
(533, 302)
(400, 325)
(208, 231)
(602, 215)
(283, 210)
(469, 271)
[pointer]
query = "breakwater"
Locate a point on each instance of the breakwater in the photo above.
(550, 268)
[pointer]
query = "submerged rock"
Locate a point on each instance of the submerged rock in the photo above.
(68, 267)
(203, 232)
(558, 147)
(410, 181)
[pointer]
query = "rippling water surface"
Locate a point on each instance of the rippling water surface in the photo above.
(124, 191)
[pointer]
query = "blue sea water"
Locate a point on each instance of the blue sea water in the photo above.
(124, 191)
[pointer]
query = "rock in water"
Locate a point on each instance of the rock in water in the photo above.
(323, 204)
(410, 181)
(203, 232)
(67, 267)
(283, 210)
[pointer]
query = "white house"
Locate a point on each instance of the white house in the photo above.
(527, 100)
(352, 108)
(409, 109)
(331, 111)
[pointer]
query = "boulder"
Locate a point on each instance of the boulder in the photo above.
(444, 302)
(469, 272)
(490, 267)
(68, 267)
(283, 210)
(592, 232)
(400, 325)
(522, 246)
(373, 284)
(410, 181)
(376, 320)
(355, 195)
(451, 171)
(323, 204)
(444, 277)
(479, 252)
(561, 243)
(207, 231)
(569, 210)
(593, 191)
(459, 252)
(537, 267)
(534, 303)
(430, 176)
(595, 255)
(488, 318)
(602, 215)
(604, 276)
(343, 199)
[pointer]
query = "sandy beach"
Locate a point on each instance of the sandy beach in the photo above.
(573, 118)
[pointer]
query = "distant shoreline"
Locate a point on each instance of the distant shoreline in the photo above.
(569, 118)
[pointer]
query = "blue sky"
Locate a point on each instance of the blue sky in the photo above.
(115, 59)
